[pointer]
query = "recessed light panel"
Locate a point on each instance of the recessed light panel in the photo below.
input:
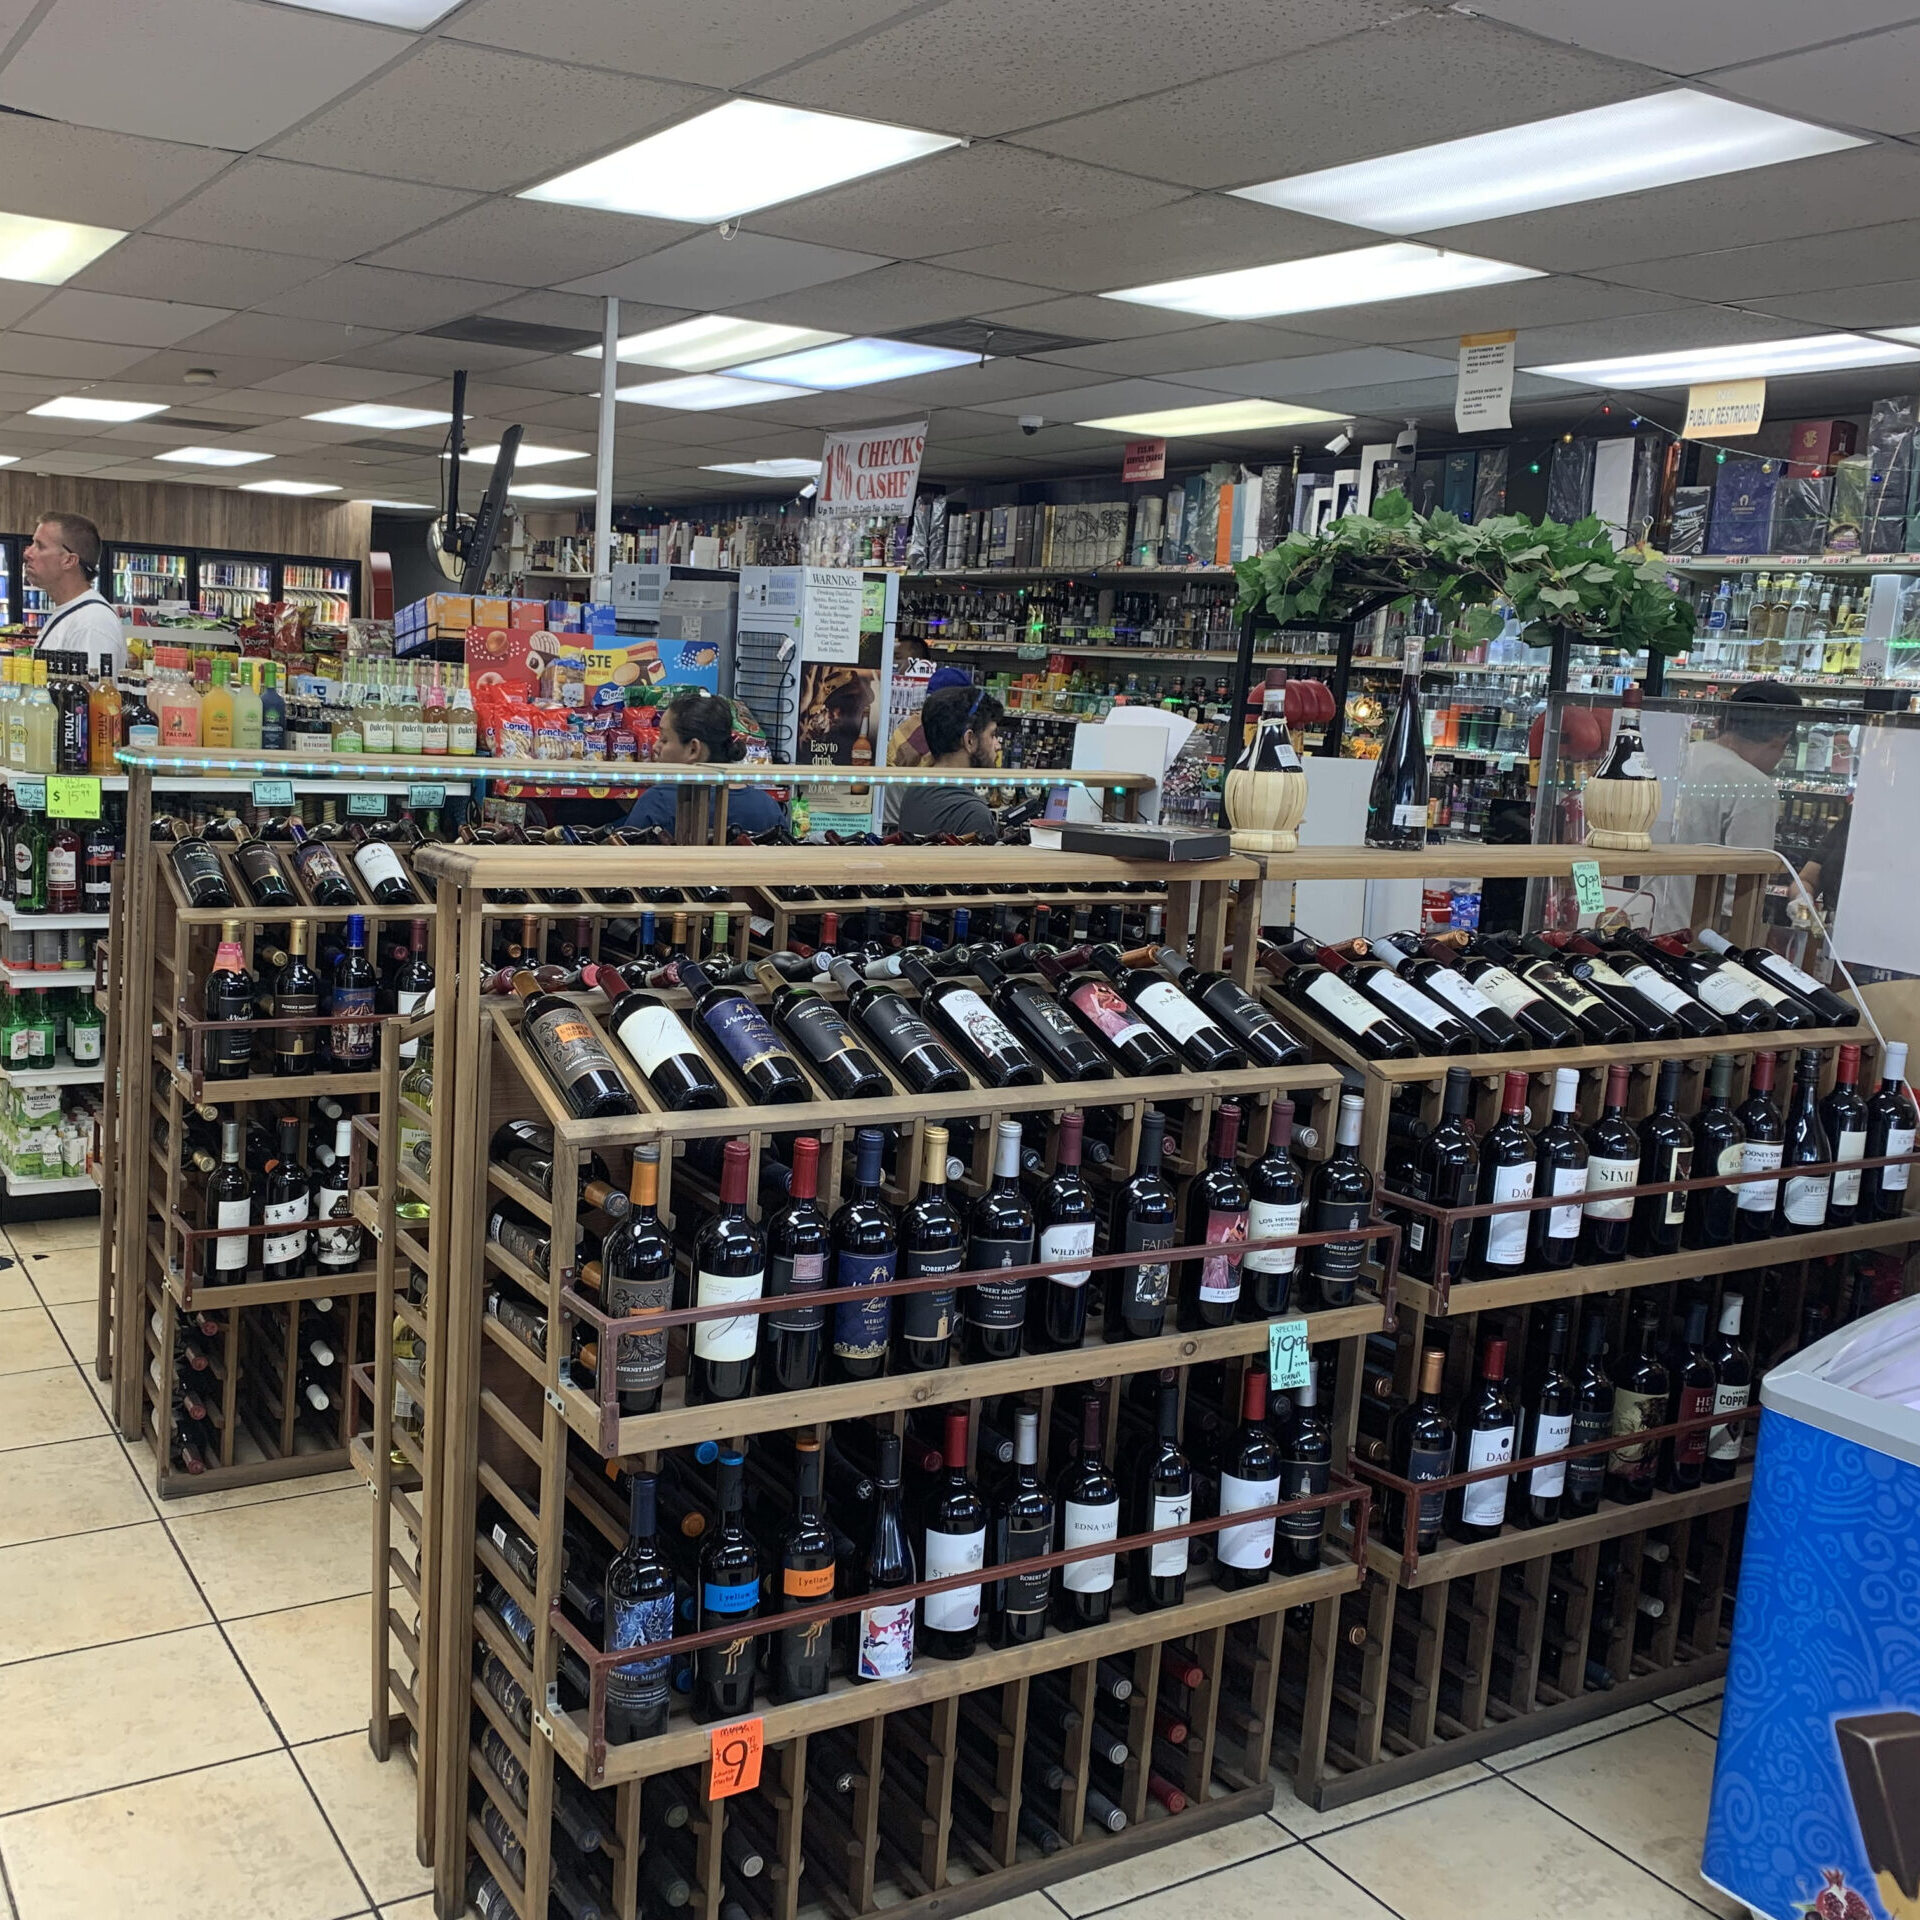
(713, 340)
(399, 506)
(528, 456)
(77, 406)
(743, 155)
(768, 469)
(287, 486)
(545, 490)
(858, 363)
(1751, 360)
(394, 419)
(50, 252)
(1402, 271)
(1627, 147)
(214, 456)
(1230, 416)
(701, 392)
(383, 13)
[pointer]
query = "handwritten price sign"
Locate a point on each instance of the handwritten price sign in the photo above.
(1288, 1355)
(733, 1758)
(1586, 886)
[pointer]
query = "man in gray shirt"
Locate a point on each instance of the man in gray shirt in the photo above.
(962, 726)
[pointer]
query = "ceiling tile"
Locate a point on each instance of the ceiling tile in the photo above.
(1087, 318)
(974, 386)
(1700, 35)
(1805, 265)
(19, 298)
(1223, 343)
(66, 359)
(992, 65)
(1892, 303)
(580, 310)
(334, 216)
(233, 370)
(337, 384)
(556, 373)
(106, 179)
(215, 72)
(1527, 303)
(71, 460)
(378, 295)
(1429, 76)
(907, 294)
(1318, 373)
(725, 43)
(528, 243)
(469, 117)
(1100, 400)
(1673, 328)
(423, 355)
(76, 314)
(1867, 82)
(286, 338)
(167, 269)
(719, 273)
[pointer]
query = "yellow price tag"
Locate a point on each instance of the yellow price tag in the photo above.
(1586, 886)
(72, 796)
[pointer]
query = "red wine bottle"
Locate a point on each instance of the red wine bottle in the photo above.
(1340, 1197)
(1493, 1031)
(979, 1035)
(793, 1340)
(1088, 1499)
(1640, 1387)
(866, 1252)
(1803, 1196)
(1487, 1421)
(1197, 1036)
(1613, 1162)
(639, 1610)
(1731, 993)
(1778, 972)
(1660, 986)
(1585, 962)
(1277, 1195)
(822, 1038)
(1134, 1043)
(728, 1596)
(1446, 1170)
(807, 1562)
(1001, 1233)
(1733, 1387)
(1023, 1524)
(1267, 1042)
(1145, 1221)
(1508, 1159)
(636, 1276)
(1765, 1148)
(883, 1633)
(1435, 1026)
(1162, 1497)
(230, 994)
(1592, 1417)
(1397, 800)
(1057, 1304)
(1320, 991)
(1559, 1166)
(933, 1240)
(565, 1043)
(659, 1044)
(729, 1264)
(1598, 1023)
(1719, 1146)
(1306, 1455)
(1543, 1022)
(1049, 1031)
(1790, 1012)
(1666, 1153)
(1843, 1113)
(1249, 1477)
(229, 1203)
(1422, 1449)
(890, 1022)
(1217, 1204)
(1891, 1122)
(953, 1541)
(743, 1037)
(1546, 1425)
(286, 1202)
(1690, 1397)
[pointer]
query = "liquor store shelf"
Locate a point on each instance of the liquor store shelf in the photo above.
(53, 922)
(232, 783)
(67, 1076)
(1361, 663)
(45, 980)
(26, 1186)
(1797, 562)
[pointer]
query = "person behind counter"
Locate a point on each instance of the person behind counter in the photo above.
(697, 731)
(962, 726)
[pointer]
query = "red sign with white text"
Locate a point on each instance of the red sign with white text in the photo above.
(873, 470)
(1144, 460)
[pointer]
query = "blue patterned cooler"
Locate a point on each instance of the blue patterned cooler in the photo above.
(1816, 1787)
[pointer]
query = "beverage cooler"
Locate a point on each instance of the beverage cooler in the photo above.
(133, 576)
(1816, 1786)
(228, 586)
(328, 589)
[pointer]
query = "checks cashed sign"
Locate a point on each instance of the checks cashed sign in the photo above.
(872, 471)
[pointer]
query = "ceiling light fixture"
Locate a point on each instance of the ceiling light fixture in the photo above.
(1751, 360)
(399, 506)
(1227, 416)
(77, 406)
(199, 377)
(1403, 270)
(1627, 147)
(392, 419)
(735, 158)
(700, 392)
(383, 13)
(9, 459)
(858, 363)
(300, 487)
(809, 490)
(546, 490)
(528, 456)
(214, 456)
(712, 340)
(50, 252)
(768, 469)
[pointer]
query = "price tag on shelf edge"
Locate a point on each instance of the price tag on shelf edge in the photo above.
(1586, 886)
(423, 799)
(273, 793)
(733, 1758)
(73, 796)
(31, 794)
(1288, 1355)
(367, 806)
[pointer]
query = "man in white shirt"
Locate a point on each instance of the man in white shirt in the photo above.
(62, 560)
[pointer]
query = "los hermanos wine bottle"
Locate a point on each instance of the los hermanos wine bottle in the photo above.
(1766, 1145)
(1022, 1530)
(1145, 1221)
(954, 1542)
(1397, 802)
(793, 1341)
(1162, 1498)
(883, 1648)
(729, 1264)
(639, 1613)
(801, 1654)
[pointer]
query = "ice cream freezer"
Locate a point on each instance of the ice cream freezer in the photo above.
(1816, 1785)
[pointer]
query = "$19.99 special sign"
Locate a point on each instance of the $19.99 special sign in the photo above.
(873, 470)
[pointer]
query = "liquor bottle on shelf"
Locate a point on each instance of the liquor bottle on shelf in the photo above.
(884, 1639)
(261, 873)
(933, 1241)
(1891, 1121)
(1640, 1387)
(1047, 1029)
(953, 1541)
(1445, 1169)
(320, 870)
(636, 1276)
(978, 1034)
(353, 1035)
(286, 1201)
(411, 989)
(379, 867)
(1507, 1168)
(1422, 1449)
(1306, 1455)
(1397, 801)
(822, 1038)
(728, 1594)
(195, 865)
(1340, 1196)
(1542, 1022)
(1592, 1416)
(1435, 1026)
(1719, 1146)
(1217, 1207)
(793, 1340)
(1843, 1113)
(574, 1057)
(230, 993)
(1318, 989)
(1733, 1387)
(1804, 1196)
(1692, 1396)
(1134, 1043)
(1546, 1425)
(1193, 1032)
(1487, 1421)
(1765, 1136)
(1778, 972)
(729, 1265)
(656, 1038)
(1585, 962)
(1277, 1192)
(1659, 985)
(1001, 1233)
(807, 1562)
(1732, 993)
(1666, 1153)
(1088, 1498)
(912, 1047)
(295, 996)
(1144, 1220)
(1249, 1476)
(1267, 1042)
(1613, 1162)
(1064, 1214)
(748, 1046)
(1022, 1530)
(1162, 1497)
(866, 1251)
(229, 1203)
(1493, 1031)
(639, 1612)
(1598, 1023)
(337, 1241)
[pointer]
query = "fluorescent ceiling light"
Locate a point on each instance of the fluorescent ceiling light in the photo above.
(1229, 416)
(214, 456)
(76, 406)
(700, 392)
(1401, 271)
(287, 486)
(49, 252)
(746, 154)
(712, 340)
(383, 13)
(399, 506)
(1752, 360)
(528, 456)
(858, 363)
(394, 418)
(9, 459)
(546, 490)
(1624, 148)
(768, 469)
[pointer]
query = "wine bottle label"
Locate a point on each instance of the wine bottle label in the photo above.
(1849, 1146)
(1723, 1443)
(807, 1583)
(1894, 1179)
(998, 1303)
(1650, 984)
(1046, 1012)
(1445, 983)
(980, 1023)
(1145, 1285)
(230, 1255)
(1021, 1593)
(653, 1035)
(1784, 970)
(860, 1327)
(641, 1364)
(946, 1555)
(743, 1033)
(1337, 1262)
(735, 1337)
(407, 1005)
(1693, 1403)
(1587, 1475)
(886, 1641)
(642, 1685)
(338, 1245)
(1757, 988)
(1411, 1001)
(1634, 1413)
(817, 1025)
(1506, 990)
(1070, 1240)
(1268, 1220)
(567, 1045)
(1724, 990)
(1551, 1432)
(928, 1316)
(797, 1273)
(1250, 1545)
(1604, 1176)
(1220, 1272)
(1104, 1007)
(1507, 1232)
(1805, 1200)
(1563, 1223)
(1483, 1503)
(279, 1248)
(526, 1243)
(1760, 1156)
(1599, 969)
(729, 1599)
(1329, 992)
(1557, 984)
(1298, 1480)
(900, 1031)
(1430, 1463)
(1082, 1524)
(379, 865)
(1172, 1012)
(1409, 813)
(1167, 1559)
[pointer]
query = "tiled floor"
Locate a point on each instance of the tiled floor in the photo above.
(183, 1696)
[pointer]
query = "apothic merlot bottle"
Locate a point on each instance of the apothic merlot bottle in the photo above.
(639, 1613)
(1306, 1455)
(1341, 1198)
(1088, 1498)
(1507, 1157)
(1162, 1497)
(1488, 1420)
(729, 1595)
(1249, 1477)
(1277, 1203)
(793, 1344)
(1559, 1166)
(1000, 1234)
(1217, 1204)
(883, 1647)
(1613, 1162)
(933, 1241)
(1766, 1146)
(1057, 1303)
(729, 1264)
(1890, 1129)
(801, 1654)
(954, 1542)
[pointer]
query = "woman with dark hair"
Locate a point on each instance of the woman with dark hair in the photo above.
(696, 731)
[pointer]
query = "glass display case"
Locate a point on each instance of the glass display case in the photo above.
(228, 586)
(145, 576)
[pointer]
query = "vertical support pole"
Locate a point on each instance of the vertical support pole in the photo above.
(603, 454)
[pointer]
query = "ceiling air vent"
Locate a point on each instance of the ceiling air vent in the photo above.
(486, 330)
(985, 336)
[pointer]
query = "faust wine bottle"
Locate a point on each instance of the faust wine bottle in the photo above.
(1022, 1530)
(1340, 1197)
(729, 1265)
(1487, 1422)
(1843, 1113)
(1546, 1426)
(1162, 1498)
(639, 1613)
(953, 1541)
(1057, 1302)
(1507, 1168)
(728, 1595)
(883, 1645)
(572, 1053)
(1422, 1450)
(1217, 1205)
(1397, 800)
(866, 1252)
(1592, 1417)
(1249, 1477)
(1732, 1388)
(1765, 1148)
(806, 1580)
(1088, 1499)
(1145, 1221)
(1803, 1195)
(1613, 1163)
(1277, 1193)
(636, 1276)
(1666, 1153)
(1001, 1233)
(1640, 1385)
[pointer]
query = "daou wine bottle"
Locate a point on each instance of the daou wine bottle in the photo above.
(1488, 1423)
(729, 1265)
(954, 1541)
(1249, 1478)
(1493, 1031)
(1162, 1498)
(1022, 1530)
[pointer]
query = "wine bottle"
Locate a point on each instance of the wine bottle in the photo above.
(353, 1035)
(1493, 1031)
(1843, 1113)
(1732, 1388)
(1217, 1204)
(197, 867)
(1790, 1012)
(296, 996)
(911, 1046)
(1766, 1144)
(1057, 1303)
(954, 1541)
(748, 1047)
(411, 991)
(1640, 1388)
(1162, 1497)
(1613, 1162)
(1144, 1220)
(230, 992)
(1585, 962)
(1690, 1014)
(1434, 1025)
(262, 875)
(1507, 1166)
(729, 1264)
(1341, 1198)
(1690, 1397)
(1666, 1153)
(933, 1241)
(1088, 1498)
(807, 1562)
(1397, 800)
(229, 1203)
(639, 1613)
(1592, 1417)
(1803, 1196)
(1445, 1170)
(1732, 993)
(1132, 1041)
(1267, 1042)
(386, 879)
(793, 1340)
(1891, 1123)
(1559, 1166)
(821, 1038)
(286, 1200)
(657, 1041)
(1023, 1524)
(1048, 1030)
(866, 1252)
(1321, 991)
(571, 1052)
(337, 1243)
(1719, 1146)
(728, 1596)
(1277, 1192)
(636, 1276)
(1001, 1233)
(1422, 1450)
(1597, 1022)
(1543, 1022)
(1546, 1426)
(1194, 1033)
(980, 1036)
(1249, 1477)
(1778, 972)
(884, 1633)
(1480, 1507)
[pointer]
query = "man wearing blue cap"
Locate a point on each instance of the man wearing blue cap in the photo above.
(961, 723)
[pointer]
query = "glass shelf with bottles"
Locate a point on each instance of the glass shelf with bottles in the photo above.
(1788, 623)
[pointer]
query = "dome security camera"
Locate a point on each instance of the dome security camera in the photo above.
(1031, 423)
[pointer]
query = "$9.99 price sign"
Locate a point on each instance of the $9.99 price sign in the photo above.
(733, 1758)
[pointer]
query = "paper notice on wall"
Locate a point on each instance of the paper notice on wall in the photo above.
(1721, 408)
(1483, 395)
(830, 627)
(1144, 460)
(872, 471)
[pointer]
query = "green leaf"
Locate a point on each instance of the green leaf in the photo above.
(1390, 510)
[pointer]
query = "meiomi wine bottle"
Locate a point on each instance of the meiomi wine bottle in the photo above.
(1891, 1122)
(1057, 1303)
(570, 1051)
(1397, 800)
(639, 1613)
(933, 1241)
(1690, 1397)
(748, 1047)
(1507, 1167)
(954, 1541)
(1546, 1426)
(1666, 1153)
(801, 1654)
(884, 1641)
(1422, 1450)
(1613, 1162)
(1732, 1388)
(728, 1595)
(866, 1252)
(1640, 1389)
(1162, 1497)
(229, 994)
(1446, 1171)
(636, 1276)
(1559, 1166)
(824, 1040)
(1803, 1196)
(1001, 1232)
(1145, 1221)
(1217, 1204)
(1765, 1148)
(891, 1023)
(1022, 1530)
(1088, 1499)
(1731, 993)
(1277, 1193)
(1480, 1507)
(1341, 1197)
(1778, 972)
(1306, 1455)
(1592, 1417)
(1719, 1146)
(729, 1264)
(1249, 1477)
(1844, 1115)
(657, 1039)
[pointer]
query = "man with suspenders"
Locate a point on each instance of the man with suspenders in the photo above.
(61, 560)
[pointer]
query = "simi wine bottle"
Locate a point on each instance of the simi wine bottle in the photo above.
(1217, 1204)
(883, 1642)
(572, 1053)
(1022, 1530)
(1613, 1162)
(1057, 1303)
(1397, 801)
(1088, 1497)
(954, 1541)
(1000, 1234)
(1249, 1477)
(729, 1264)
(639, 1614)
(933, 1241)
(1145, 1221)
(866, 1251)
(728, 1595)
(793, 1341)
(636, 1276)
(1162, 1497)
(1277, 1193)
(801, 1654)
(1341, 1197)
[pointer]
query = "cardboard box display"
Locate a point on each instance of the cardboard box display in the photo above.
(1800, 509)
(509, 656)
(527, 616)
(1743, 498)
(1691, 507)
(1847, 510)
(1817, 446)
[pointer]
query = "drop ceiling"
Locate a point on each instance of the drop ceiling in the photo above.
(323, 211)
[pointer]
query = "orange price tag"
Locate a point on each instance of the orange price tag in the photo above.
(733, 1758)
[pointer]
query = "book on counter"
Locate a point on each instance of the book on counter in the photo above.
(1140, 841)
